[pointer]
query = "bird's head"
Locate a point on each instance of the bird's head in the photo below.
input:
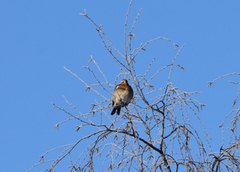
(124, 81)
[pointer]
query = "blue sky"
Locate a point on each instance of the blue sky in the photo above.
(38, 38)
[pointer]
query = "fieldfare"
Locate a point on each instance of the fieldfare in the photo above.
(122, 95)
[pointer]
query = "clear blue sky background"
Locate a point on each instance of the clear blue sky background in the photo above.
(38, 38)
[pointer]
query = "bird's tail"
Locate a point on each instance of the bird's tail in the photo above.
(116, 108)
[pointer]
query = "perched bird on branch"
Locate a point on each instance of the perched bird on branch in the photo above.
(122, 96)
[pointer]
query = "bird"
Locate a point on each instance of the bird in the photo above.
(122, 96)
